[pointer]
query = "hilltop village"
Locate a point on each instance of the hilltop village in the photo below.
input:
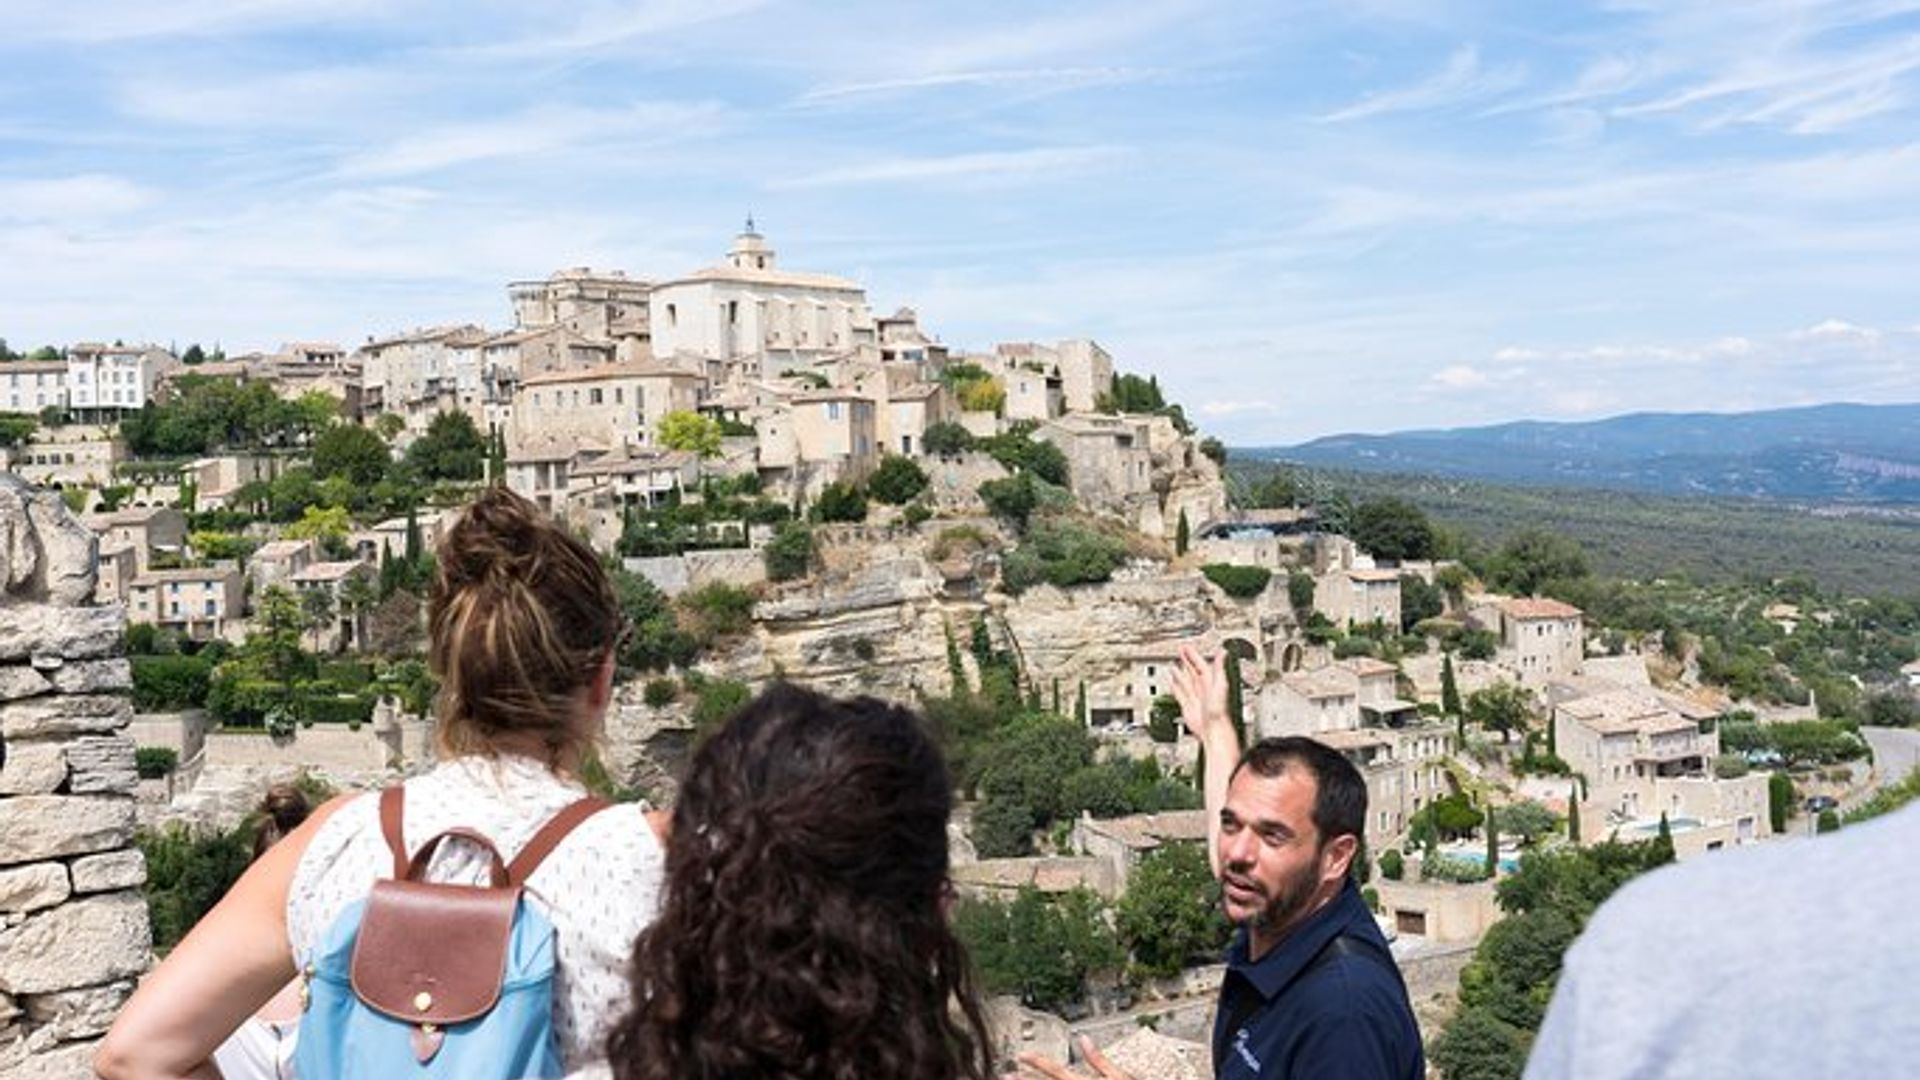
(791, 485)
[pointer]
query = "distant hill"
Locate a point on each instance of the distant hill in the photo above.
(1851, 453)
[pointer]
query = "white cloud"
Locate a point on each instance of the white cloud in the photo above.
(1072, 78)
(994, 166)
(1460, 377)
(535, 131)
(1837, 329)
(126, 20)
(1462, 80)
(71, 199)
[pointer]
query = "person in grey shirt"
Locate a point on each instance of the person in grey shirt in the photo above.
(1795, 959)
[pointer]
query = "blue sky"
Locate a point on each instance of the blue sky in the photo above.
(1304, 218)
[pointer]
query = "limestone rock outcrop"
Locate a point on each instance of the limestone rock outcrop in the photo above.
(74, 933)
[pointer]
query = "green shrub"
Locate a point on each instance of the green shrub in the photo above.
(897, 481)
(715, 611)
(947, 439)
(1163, 722)
(1002, 828)
(1300, 593)
(170, 682)
(1239, 582)
(1012, 500)
(1355, 645)
(660, 693)
(1393, 865)
(1730, 766)
(958, 539)
(789, 555)
(917, 514)
(716, 702)
(187, 875)
(1062, 554)
(154, 762)
(146, 639)
(350, 709)
(841, 501)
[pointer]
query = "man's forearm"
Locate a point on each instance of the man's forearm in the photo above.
(1222, 753)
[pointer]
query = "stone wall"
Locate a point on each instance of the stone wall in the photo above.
(73, 922)
(675, 574)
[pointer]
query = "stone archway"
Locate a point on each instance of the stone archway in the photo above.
(1291, 657)
(1241, 649)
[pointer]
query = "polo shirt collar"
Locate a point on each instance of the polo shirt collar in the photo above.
(1283, 963)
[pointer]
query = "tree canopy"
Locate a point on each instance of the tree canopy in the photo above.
(1392, 528)
(690, 431)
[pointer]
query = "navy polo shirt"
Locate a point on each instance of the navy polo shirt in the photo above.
(1345, 1017)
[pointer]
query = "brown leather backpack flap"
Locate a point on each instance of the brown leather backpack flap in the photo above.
(433, 954)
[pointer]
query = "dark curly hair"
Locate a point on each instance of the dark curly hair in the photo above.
(802, 931)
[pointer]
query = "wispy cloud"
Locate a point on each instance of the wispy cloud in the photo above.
(129, 20)
(529, 133)
(1072, 78)
(71, 199)
(1462, 80)
(999, 167)
(1482, 213)
(600, 25)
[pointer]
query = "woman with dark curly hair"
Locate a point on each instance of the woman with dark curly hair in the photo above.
(803, 931)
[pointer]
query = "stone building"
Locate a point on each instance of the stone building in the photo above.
(145, 529)
(106, 381)
(71, 455)
(597, 305)
(1542, 639)
(606, 405)
(198, 602)
(756, 317)
(27, 386)
(74, 934)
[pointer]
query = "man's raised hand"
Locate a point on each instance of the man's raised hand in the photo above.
(1200, 686)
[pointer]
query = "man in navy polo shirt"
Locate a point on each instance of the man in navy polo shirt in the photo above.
(1310, 990)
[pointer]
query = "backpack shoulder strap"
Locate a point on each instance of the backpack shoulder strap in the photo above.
(392, 818)
(555, 830)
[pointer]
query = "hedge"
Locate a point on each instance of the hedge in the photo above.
(1239, 582)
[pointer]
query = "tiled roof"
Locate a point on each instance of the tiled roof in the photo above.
(1538, 607)
(1143, 832)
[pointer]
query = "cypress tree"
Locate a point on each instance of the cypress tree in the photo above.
(1449, 688)
(1553, 741)
(1664, 840)
(1573, 815)
(1056, 695)
(1080, 704)
(1235, 706)
(391, 575)
(413, 536)
(1182, 535)
(956, 671)
(1493, 845)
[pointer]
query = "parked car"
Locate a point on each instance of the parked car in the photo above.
(1821, 803)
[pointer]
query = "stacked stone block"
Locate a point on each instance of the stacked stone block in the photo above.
(74, 934)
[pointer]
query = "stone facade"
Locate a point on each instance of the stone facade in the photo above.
(74, 934)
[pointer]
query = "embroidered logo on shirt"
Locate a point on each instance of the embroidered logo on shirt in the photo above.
(1246, 1055)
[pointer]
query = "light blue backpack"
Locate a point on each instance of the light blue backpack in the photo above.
(423, 979)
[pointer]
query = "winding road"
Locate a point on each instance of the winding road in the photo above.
(1896, 753)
